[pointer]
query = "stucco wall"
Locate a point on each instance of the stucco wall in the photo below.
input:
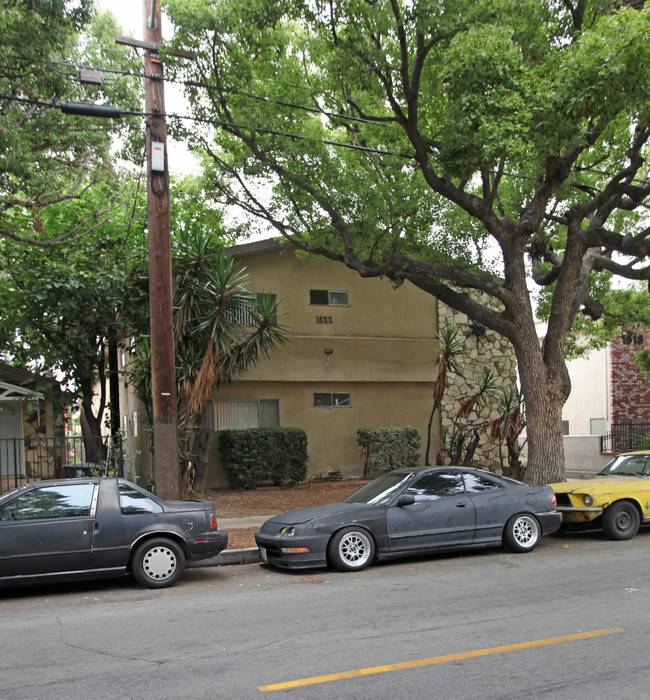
(582, 457)
(380, 348)
(589, 398)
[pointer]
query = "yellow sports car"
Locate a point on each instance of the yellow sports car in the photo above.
(616, 499)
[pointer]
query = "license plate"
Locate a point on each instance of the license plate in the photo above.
(262, 554)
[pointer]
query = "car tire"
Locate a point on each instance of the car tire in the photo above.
(351, 549)
(621, 521)
(522, 533)
(158, 563)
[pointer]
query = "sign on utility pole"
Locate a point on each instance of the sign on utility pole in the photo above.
(165, 432)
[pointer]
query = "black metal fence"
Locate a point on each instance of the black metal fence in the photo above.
(623, 437)
(35, 458)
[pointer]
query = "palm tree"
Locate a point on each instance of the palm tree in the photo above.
(451, 349)
(220, 331)
(508, 427)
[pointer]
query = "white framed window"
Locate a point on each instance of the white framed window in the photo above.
(328, 297)
(331, 399)
(239, 414)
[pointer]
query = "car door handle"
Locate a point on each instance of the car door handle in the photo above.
(96, 527)
(461, 505)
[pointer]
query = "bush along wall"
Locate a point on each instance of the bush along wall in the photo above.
(258, 455)
(388, 447)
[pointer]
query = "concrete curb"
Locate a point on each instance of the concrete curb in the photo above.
(251, 555)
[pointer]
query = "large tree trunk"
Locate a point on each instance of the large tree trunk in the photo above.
(91, 434)
(544, 394)
(91, 423)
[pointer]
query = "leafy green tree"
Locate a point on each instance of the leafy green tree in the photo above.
(624, 308)
(63, 306)
(468, 147)
(642, 359)
(48, 158)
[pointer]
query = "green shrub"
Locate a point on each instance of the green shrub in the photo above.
(257, 455)
(388, 447)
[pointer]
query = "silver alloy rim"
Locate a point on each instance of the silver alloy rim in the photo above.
(159, 563)
(526, 531)
(354, 549)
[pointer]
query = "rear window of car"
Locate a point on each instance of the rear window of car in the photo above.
(134, 501)
(477, 483)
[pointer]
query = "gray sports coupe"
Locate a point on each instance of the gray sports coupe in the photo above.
(100, 527)
(411, 511)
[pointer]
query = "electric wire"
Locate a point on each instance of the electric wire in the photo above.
(232, 91)
(232, 126)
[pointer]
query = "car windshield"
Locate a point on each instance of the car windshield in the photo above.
(380, 489)
(627, 465)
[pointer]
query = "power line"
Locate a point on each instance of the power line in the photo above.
(232, 91)
(115, 112)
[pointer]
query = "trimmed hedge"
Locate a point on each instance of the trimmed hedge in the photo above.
(256, 455)
(388, 447)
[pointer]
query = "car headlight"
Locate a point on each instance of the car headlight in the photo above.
(589, 500)
(287, 532)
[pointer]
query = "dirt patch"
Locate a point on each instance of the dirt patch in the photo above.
(271, 500)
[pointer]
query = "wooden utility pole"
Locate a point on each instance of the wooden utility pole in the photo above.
(165, 421)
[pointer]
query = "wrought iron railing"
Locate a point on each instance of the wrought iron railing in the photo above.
(35, 458)
(624, 437)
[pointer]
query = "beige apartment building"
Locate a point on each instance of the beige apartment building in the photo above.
(360, 354)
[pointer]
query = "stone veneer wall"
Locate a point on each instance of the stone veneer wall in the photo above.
(489, 351)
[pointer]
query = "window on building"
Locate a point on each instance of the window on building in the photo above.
(331, 399)
(565, 427)
(240, 414)
(597, 426)
(244, 307)
(326, 297)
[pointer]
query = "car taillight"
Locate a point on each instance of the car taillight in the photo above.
(554, 500)
(213, 521)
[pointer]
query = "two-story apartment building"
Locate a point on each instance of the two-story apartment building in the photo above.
(360, 353)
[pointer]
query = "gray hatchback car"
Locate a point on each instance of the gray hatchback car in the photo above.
(101, 527)
(411, 511)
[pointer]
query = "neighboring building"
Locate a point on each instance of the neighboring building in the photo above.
(607, 388)
(361, 353)
(24, 416)
(608, 410)
(630, 390)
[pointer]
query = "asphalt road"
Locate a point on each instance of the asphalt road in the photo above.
(569, 620)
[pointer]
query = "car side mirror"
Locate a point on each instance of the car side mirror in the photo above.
(406, 500)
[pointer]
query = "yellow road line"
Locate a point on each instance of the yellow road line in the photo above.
(436, 660)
